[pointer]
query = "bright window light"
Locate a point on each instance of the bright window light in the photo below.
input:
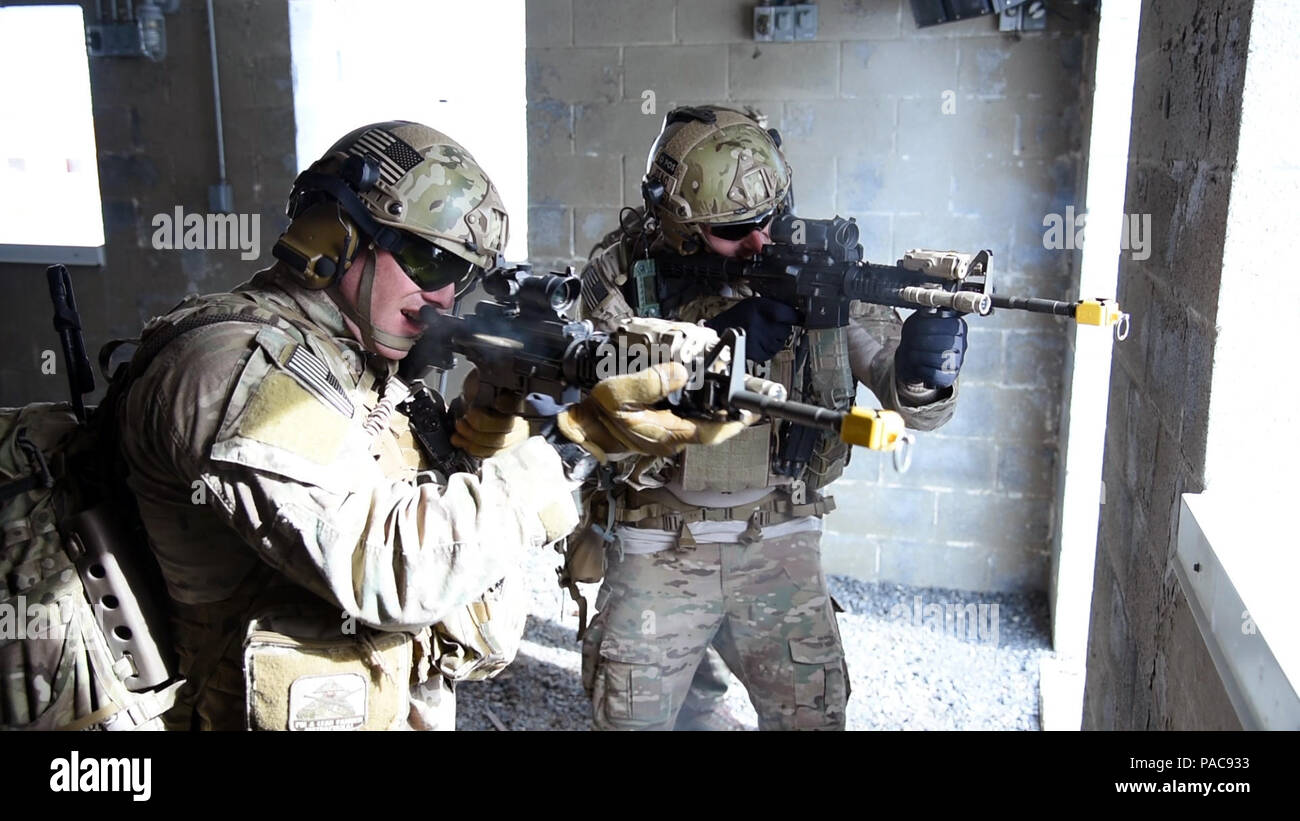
(50, 211)
(457, 67)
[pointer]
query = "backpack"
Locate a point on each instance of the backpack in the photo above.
(80, 644)
(83, 641)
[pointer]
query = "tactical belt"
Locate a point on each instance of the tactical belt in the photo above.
(659, 509)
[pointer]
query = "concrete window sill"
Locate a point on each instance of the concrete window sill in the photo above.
(1237, 575)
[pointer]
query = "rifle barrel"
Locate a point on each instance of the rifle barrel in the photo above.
(1038, 306)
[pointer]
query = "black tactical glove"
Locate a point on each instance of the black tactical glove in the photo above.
(932, 349)
(767, 324)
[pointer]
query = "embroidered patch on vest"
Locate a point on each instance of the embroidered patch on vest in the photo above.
(286, 415)
(305, 365)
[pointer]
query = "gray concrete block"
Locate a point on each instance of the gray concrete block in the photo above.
(1049, 126)
(857, 127)
(590, 225)
(994, 520)
(1155, 190)
(575, 180)
(574, 75)
(1117, 519)
(848, 554)
(1019, 571)
(1027, 468)
(791, 70)
(859, 19)
(675, 71)
(1199, 223)
(898, 68)
(1167, 359)
(924, 564)
(633, 174)
(616, 129)
(1034, 253)
(944, 464)
(548, 22)
(1200, 339)
(1170, 480)
(984, 355)
(620, 22)
(1143, 433)
(713, 21)
(1024, 191)
(1117, 419)
(891, 184)
(875, 232)
(814, 177)
(128, 172)
(1037, 360)
(550, 232)
(971, 127)
(1047, 66)
(1134, 294)
(1099, 694)
(550, 127)
(888, 513)
(117, 128)
(1144, 595)
(1005, 414)
(1197, 114)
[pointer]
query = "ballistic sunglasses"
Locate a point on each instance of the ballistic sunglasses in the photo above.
(428, 266)
(736, 231)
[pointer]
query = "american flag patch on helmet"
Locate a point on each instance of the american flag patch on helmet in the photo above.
(395, 156)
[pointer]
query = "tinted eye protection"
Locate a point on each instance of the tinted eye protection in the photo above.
(428, 266)
(736, 231)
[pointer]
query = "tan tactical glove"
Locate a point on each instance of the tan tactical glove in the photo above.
(616, 418)
(486, 432)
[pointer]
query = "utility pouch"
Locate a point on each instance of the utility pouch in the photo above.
(302, 672)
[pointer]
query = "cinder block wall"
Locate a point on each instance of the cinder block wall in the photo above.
(862, 112)
(156, 138)
(1148, 667)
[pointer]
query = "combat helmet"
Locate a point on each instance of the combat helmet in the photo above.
(715, 166)
(403, 187)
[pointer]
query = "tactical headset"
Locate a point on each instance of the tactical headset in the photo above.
(330, 222)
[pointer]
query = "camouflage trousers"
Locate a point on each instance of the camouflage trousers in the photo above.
(764, 606)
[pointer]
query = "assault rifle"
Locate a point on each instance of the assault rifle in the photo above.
(524, 345)
(817, 266)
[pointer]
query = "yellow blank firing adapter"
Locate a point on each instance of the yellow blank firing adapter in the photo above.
(874, 429)
(878, 430)
(1104, 313)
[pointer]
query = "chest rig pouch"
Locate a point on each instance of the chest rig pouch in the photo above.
(768, 456)
(822, 360)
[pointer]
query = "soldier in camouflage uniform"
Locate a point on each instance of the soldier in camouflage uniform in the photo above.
(274, 475)
(715, 548)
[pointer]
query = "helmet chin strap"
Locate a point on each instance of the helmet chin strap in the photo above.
(360, 314)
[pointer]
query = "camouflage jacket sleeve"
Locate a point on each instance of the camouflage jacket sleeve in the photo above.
(294, 477)
(873, 336)
(602, 297)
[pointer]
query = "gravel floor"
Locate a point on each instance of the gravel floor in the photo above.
(919, 659)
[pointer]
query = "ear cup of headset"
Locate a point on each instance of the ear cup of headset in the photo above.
(319, 244)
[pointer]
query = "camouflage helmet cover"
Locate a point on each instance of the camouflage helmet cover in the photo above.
(428, 185)
(717, 166)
